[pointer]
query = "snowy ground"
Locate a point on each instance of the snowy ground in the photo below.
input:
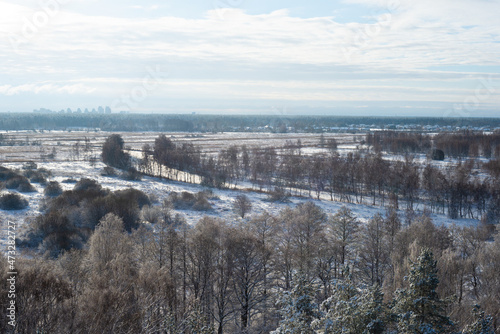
(71, 152)
(222, 207)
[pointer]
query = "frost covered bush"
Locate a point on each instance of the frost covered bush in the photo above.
(86, 184)
(12, 201)
(278, 195)
(190, 201)
(131, 174)
(108, 171)
(26, 187)
(53, 189)
(20, 183)
(37, 175)
(202, 204)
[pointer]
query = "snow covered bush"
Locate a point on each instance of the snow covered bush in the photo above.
(20, 183)
(12, 201)
(53, 189)
(190, 201)
(108, 171)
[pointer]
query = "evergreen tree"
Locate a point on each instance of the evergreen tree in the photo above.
(352, 311)
(418, 307)
(482, 323)
(297, 308)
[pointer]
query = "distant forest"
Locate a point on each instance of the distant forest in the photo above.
(218, 123)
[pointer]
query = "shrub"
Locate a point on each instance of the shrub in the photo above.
(20, 183)
(131, 175)
(30, 165)
(87, 184)
(57, 233)
(14, 181)
(278, 195)
(53, 189)
(187, 200)
(6, 174)
(37, 175)
(12, 201)
(70, 180)
(202, 204)
(153, 199)
(136, 195)
(26, 187)
(108, 171)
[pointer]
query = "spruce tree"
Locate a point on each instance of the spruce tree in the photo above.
(298, 309)
(418, 308)
(350, 310)
(482, 323)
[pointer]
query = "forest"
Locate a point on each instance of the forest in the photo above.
(301, 271)
(272, 121)
(120, 261)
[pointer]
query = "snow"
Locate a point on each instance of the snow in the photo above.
(160, 188)
(64, 167)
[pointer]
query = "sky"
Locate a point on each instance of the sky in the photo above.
(347, 57)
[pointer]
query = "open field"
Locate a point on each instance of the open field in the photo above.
(73, 159)
(31, 145)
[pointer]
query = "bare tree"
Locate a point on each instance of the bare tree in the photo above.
(242, 205)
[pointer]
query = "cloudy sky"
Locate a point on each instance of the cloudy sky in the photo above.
(346, 57)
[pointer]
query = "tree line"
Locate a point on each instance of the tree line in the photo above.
(459, 144)
(209, 123)
(356, 177)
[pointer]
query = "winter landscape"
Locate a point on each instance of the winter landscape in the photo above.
(257, 232)
(250, 167)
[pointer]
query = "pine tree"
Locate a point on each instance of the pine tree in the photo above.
(418, 307)
(297, 308)
(482, 323)
(352, 311)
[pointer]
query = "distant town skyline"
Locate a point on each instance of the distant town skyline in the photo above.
(351, 57)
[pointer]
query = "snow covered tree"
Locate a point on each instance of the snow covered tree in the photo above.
(418, 307)
(343, 231)
(297, 308)
(350, 310)
(482, 323)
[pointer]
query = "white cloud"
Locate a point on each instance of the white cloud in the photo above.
(74, 53)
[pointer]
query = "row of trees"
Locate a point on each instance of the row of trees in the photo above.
(249, 277)
(188, 122)
(355, 177)
(461, 144)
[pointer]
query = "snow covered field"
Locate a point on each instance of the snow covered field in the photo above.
(71, 162)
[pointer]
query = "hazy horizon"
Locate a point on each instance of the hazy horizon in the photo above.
(346, 58)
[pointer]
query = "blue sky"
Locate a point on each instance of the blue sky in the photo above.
(353, 57)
